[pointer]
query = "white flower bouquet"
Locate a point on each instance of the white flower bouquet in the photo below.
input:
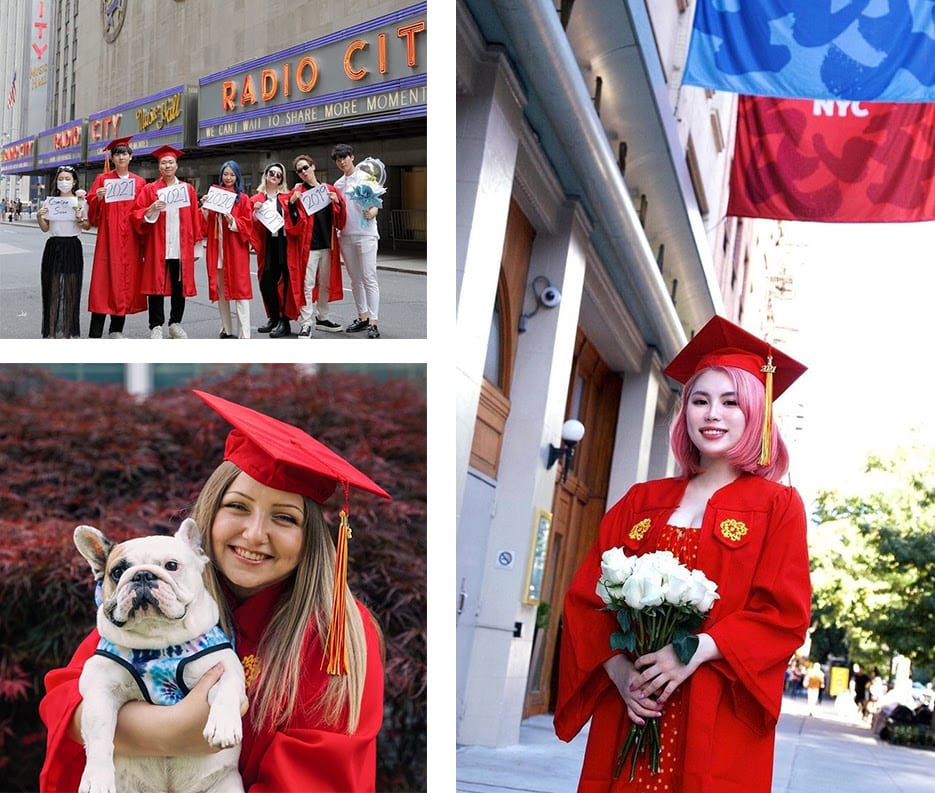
(658, 601)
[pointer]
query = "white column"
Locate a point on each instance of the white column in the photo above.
(499, 661)
(636, 420)
(488, 131)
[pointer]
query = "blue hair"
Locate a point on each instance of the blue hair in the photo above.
(238, 184)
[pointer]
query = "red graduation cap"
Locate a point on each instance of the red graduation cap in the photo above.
(284, 457)
(722, 343)
(117, 142)
(166, 151)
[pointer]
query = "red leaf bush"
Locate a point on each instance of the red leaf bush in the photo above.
(76, 453)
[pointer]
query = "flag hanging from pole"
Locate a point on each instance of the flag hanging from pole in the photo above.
(833, 161)
(859, 50)
(11, 98)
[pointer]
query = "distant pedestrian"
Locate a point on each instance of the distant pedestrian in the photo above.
(814, 683)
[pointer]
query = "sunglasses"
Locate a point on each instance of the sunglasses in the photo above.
(303, 169)
(276, 174)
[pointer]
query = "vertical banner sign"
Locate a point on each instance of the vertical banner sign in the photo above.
(833, 161)
(859, 50)
(37, 84)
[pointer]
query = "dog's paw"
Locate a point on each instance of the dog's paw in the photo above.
(97, 783)
(221, 732)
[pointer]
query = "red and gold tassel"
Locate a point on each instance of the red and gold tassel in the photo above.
(766, 440)
(336, 647)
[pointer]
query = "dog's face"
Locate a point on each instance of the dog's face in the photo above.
(152, 588)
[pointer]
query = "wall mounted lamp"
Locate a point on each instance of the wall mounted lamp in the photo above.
(546, 295)
(572, 432)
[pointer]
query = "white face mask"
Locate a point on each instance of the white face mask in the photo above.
(64, 185)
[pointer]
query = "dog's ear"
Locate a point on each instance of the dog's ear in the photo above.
(189, 534)
(94, 547)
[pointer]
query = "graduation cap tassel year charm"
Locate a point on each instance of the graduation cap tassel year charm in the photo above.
(766, 441)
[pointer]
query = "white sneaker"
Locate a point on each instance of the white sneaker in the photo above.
(177, 332)
(156, 333)
(116, 335)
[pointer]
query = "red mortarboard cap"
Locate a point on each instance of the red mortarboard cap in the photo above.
(284, 457)
(166, 151)
(118, 142)
(722, 343)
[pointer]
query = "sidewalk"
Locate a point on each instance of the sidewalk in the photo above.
(828, 751)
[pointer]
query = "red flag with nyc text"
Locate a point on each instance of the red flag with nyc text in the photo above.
(833, 161)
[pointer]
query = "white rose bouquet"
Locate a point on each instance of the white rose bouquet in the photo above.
(658, 601)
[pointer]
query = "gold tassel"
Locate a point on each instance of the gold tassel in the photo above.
(336, 647)
(766, 440)
(106, 162)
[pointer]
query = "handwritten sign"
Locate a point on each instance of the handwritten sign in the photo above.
(219, 200)
(119, 190)
(61, 207)
(175, 196)
(269, 216)
(316, 199)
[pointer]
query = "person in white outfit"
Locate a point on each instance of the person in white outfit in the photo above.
(358, 241)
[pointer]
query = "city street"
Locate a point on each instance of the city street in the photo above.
(402, 294)
(828, 751)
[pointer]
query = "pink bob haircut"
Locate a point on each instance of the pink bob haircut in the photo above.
(745, 455)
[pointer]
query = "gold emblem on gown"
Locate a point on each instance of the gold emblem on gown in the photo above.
(639, 530)
(251, 669)
(734, 530)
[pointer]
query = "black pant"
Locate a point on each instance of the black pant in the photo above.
(274, 271)
(97, 324)
(157, 303)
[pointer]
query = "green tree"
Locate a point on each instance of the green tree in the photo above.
(872, 557)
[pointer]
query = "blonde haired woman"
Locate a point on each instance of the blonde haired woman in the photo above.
(312, 655)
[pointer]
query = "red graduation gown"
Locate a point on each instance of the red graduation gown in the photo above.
(235, 245)
(758, 623)
(118, 254)
(155, 276)
(339, 214)
(306, 757)
(297, 263)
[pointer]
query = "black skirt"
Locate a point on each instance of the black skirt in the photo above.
(62, 271)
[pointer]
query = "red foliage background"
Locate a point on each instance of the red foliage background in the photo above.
(74, 453)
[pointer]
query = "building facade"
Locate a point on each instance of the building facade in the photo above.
(591, 229)
(226, 80)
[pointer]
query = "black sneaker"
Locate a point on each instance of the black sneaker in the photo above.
(374, 332)
(306, 331)
(327, 326)
(358, 325)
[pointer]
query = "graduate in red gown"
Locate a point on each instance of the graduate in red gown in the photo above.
(748, 534)
(227, 254)
(118, 255)
(170, 223)
(311, 653)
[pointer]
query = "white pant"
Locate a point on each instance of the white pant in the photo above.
(360, 258)
(319, 264)
(241, 307)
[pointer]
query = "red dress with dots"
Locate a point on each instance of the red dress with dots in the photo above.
(684, 544)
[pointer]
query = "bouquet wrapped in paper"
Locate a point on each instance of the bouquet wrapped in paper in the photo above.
(369, 187)
(658, 601)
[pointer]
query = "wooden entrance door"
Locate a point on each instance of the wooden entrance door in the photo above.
(577, 507)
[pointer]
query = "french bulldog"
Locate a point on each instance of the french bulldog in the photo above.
(160, 634)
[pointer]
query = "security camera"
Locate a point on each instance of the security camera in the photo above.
(551, 297)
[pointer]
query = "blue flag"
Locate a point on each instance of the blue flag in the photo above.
(858, 50)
